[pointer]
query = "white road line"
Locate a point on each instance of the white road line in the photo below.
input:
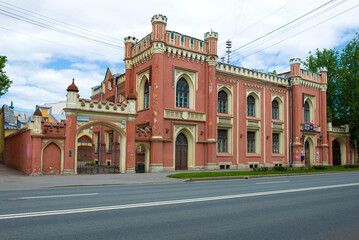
(59, 196)
(271, 182)
(171, 202)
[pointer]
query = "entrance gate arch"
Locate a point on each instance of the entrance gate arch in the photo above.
(84, 113)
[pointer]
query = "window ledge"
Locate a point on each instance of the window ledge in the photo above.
(253, 155)
(224, 115)
(277, 155)
(224, 154)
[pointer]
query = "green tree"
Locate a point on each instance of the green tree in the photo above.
(343, 83)
(274, 72)
(5, 81)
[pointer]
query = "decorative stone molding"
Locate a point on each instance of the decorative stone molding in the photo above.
(158, 47)
(253, 123)
(212, 61)
(226, 80)
(324, 87)
(81, 123)
(104, 106)
(177, 114)
(276, 125)
(128, 64)
(228, 121)
(249, 73)
(277, 90)
(193, 56)
(253, 85)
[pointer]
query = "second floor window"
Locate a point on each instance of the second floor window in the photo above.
(275, 110)
(146, 96)
(306, 112)
(251, 106)
(222, 102)
(182, 93)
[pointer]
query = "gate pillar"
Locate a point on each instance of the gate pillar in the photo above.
(71, 125)
(130, 146)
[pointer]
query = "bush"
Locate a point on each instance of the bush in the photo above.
(279, 168)
(319, 167)
(351, 165)
(260, 169)
(90, 164)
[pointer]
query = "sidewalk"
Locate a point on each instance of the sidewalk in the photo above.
(13, 179)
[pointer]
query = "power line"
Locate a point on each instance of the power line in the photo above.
(53, 42)
(351, 8)
(46, 18)
(283, 26)
(286, 30)
(55, 29)
(251, 26)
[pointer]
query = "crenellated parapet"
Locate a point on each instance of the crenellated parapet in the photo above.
(159, 18)
(126, 106)
(212, 39)
(249, 73)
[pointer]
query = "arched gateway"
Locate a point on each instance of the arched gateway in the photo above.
(85, 113)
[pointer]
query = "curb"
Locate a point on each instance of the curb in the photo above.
(259, 176)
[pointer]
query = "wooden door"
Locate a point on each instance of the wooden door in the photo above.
(336, 154)
(181, 152)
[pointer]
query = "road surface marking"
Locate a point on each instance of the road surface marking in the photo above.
(171, 202)
(271, 182)
(57, 196)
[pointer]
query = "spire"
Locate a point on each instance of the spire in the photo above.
(72, 87)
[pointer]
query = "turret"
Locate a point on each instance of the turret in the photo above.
(295, 67)
(37, 122)
(212, 39)
(159, 23)
(129, 43)
(324, 72)
(71, 97)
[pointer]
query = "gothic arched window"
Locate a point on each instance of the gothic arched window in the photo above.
(222, 102)
(275, 110)
(306, 112)
(146, 96)
(251, 106)
(182, 93)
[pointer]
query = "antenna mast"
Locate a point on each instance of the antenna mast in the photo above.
(228, 46)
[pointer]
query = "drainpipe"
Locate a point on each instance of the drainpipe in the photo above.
(114, 132)
(99, 142)
(291, 122)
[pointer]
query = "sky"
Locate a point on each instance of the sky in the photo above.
(50, 42)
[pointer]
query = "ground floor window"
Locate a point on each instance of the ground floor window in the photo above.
(251, 142)
(222, 144)
(275, 142)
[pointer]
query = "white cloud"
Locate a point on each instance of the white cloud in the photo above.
(33, 52)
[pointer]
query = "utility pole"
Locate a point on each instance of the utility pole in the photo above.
(228, 46)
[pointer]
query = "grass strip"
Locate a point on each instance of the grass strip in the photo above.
(248, 173)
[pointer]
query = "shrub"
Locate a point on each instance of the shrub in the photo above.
(260, 169)
(279, 168)
(90, 164)
(319, 167)
(351, 165)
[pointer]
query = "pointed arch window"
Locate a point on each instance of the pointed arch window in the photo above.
(251, 106)
(182, 93)
(275, 110)
(306, 112)
(222, 102)
(146, 96)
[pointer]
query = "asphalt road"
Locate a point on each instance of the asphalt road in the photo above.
(297, 207)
